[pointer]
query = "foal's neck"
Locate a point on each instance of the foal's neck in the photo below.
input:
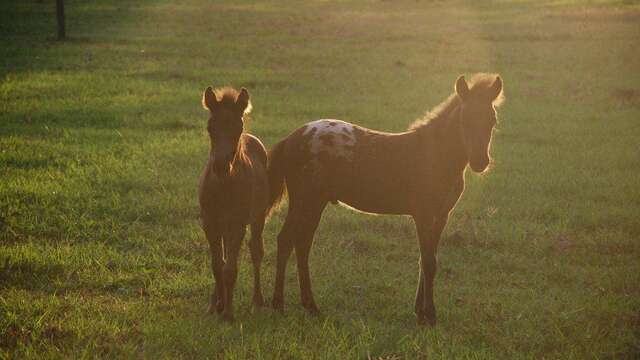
(239, 162)
(449, 138)
(454, 140)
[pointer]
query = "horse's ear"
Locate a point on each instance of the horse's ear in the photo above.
(243, 101)
(462, 89)
(209, 99)
(496, 88)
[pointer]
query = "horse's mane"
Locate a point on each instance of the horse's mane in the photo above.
(479, 85)
(228, 96)
(241, 153)
(437, 113)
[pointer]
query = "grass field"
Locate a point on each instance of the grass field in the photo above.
(102, 139)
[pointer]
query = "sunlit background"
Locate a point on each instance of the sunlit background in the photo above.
(102, 139)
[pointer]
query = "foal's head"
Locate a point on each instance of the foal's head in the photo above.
(227, 108)
(479, 99)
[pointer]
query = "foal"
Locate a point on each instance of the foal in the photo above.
(233, 193)
(418, 173)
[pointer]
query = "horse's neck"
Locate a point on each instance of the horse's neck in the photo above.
(241, 160)
(451, 142)
(239, 164)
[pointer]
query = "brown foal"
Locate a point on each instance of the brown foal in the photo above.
(419, 173)
(233, 193)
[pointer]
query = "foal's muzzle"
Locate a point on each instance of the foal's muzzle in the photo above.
(479, 166)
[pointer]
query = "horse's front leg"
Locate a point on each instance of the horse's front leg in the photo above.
(431, 235)
(429, 229)
(233, 242)
(214, 238)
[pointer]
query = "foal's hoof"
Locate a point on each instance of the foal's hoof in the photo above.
(312, 310)
(227, 317)
(215, 308)
(426, 320)
(258, 301)
(277, 305)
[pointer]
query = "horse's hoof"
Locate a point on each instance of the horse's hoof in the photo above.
(278, 305)
(313, 310)
(215, 308)
(258, 301)
(218, 308)
(227, 317)
(211, 310)
(425, 320)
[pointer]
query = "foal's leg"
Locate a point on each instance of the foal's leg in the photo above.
(439, 225)
(233, 242)
(428, 238)
(285, 246)
(306, 225)
(216, 302)
(440, 221)
(256, 245)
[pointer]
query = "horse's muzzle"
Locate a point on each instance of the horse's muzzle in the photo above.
(479, 166)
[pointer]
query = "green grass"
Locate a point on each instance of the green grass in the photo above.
(102, 138)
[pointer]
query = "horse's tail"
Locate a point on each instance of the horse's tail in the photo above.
(275, 173)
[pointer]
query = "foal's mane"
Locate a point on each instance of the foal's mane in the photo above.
(479, 85)
(437, 114)
(227, 96)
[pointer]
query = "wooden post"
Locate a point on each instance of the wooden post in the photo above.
(60, 16)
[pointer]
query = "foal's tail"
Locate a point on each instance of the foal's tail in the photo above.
(275, 172)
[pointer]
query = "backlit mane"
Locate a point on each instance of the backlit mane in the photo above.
(479, 85)
(228, 96)
(439, 112)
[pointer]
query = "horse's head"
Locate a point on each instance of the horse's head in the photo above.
(225, 124)
(479, 99)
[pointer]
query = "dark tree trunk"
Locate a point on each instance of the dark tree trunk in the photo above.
(60, 16)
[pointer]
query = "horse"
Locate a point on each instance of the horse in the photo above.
(233, 193)
(419, 172)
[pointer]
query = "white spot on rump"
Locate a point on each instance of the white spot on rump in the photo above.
(335, 137)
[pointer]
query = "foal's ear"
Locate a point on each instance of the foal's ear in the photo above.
(243, 101)
(462, 89)
(209, 99)
(496, 88)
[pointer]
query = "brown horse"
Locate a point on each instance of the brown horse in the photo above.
(233, 193)
(419, 173)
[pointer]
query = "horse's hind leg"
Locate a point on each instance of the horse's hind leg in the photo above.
(216, 303)
(420, 293)
(256, 246)
(285, 246)
(306, 225)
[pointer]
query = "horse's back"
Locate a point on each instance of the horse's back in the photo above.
(341, 161)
